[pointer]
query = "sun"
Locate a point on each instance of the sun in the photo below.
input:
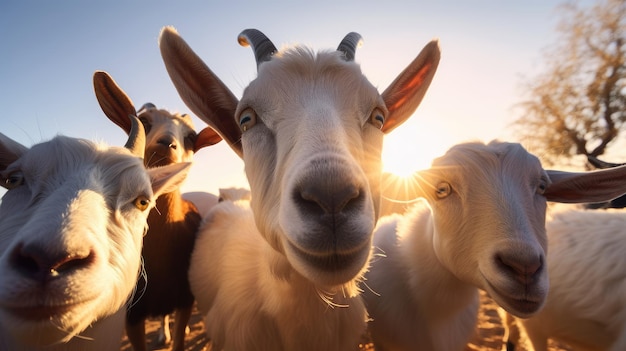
(405, 156)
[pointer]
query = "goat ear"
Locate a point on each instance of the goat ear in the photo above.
(113, 100)
(201, 90)
(406, 92)
(168, 178)
(206, 137)
(581, 187)
(10, 151)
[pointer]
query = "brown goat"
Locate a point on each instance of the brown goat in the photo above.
(173, 223)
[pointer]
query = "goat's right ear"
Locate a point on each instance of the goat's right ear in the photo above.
(10, 151)
(201, 90)
(117, 106)
(206, 137)
(168, 178)
(582, 187)
(406, 92)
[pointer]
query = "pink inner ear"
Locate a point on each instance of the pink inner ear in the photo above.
(206, 137)
(415, 82)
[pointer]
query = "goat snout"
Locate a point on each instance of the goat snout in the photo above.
(37, 263)
(525, 269)
(321, 197)
(168, 141)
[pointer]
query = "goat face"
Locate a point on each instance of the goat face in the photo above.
(490, 221)
(309, 131)
(312, 158)
(71, 229)
(170, 138)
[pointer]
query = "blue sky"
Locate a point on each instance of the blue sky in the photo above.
(50, 50)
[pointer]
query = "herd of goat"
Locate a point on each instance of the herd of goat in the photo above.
(94, 238)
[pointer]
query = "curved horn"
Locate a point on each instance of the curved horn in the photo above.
(136, 138)
(349, 44)
(262, 46)
(146, 106)
(597, 163)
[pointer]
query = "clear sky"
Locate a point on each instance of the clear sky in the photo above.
(50, 49)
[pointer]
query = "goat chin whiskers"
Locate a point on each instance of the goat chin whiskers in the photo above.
(142, 276)
(327, 297)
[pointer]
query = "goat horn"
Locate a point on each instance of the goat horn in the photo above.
(597, 163)
(262, 46)
(349, 44)
(136, 138)
(146, 106)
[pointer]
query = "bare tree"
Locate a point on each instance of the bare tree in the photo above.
(578, 105)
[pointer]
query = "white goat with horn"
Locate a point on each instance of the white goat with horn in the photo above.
(71, 228)
(282, 273)
(481, 226)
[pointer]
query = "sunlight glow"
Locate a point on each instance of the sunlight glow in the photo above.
(410, 151)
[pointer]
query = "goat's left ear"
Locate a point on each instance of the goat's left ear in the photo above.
(206, 137)
(406, 92)
(113, 100)
(168, 178)
(582, 187)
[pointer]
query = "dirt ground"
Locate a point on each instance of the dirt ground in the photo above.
(488, 337)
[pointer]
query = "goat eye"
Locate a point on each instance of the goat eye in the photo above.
(377, 118)
(247, 119)
(541, 188)
(142, 203)
(443, 189)
(14, 180)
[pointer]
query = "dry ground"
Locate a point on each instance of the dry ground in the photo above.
(488, 335)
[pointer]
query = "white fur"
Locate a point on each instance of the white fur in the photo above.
(70, 241)
(203, 201)
(255, 290)
(481, 226)
(282, 273)
(586, 305)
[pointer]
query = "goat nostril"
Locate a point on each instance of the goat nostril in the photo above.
(36, 263)
(330, 202)
(168, 142)
(524, 270)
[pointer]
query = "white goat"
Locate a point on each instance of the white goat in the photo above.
(278, 275)
(174, 222)
(203, 201)
(481, 226)
(586, 304)
(71, 227)
(234, 194)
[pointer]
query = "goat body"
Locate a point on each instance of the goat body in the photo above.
(481, 226)
(310, 130)
(71, 228)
